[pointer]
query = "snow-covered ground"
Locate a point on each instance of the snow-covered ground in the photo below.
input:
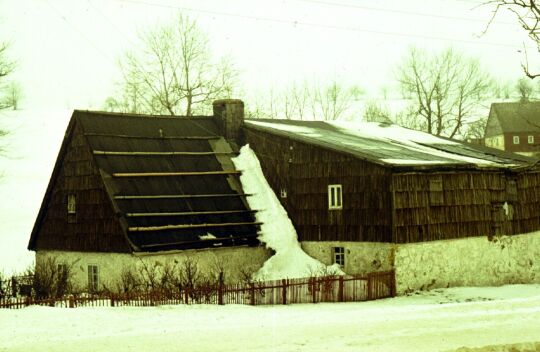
(440, 320)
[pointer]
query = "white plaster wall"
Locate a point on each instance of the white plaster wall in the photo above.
(360, 257)
(236, 261)
(473, 261)
(495, 142)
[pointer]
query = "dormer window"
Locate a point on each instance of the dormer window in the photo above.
(515, 139)
(71, 204)
(530, 139)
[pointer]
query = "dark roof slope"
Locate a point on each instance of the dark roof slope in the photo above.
(391, 145)
(516, 117)
(170, 180)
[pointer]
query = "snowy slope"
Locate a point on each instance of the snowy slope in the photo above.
(30, 152)
(441, 320)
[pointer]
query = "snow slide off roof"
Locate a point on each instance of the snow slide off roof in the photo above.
(391, 145)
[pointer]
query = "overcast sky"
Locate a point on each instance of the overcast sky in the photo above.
(67, 51)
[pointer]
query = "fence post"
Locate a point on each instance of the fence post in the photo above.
(284, 291)
(112, 300)
(220, 289)
(252, 293)
(313, 289)
(340, 289)
(71, 302)
(393, 288)
(370, 286)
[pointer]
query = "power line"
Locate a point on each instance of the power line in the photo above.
(81, 33)
(318, 25)
(402, 12)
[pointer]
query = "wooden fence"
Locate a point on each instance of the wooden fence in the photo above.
(353, 288)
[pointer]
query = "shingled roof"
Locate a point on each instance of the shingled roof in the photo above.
(391, 145)
(170, 180)
(513, 117)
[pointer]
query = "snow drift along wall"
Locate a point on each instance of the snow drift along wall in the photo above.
(277, 230)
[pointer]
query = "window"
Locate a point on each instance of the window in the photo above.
(339, 255)
(436, 193)
(283, 193)
(334, 197)
(93, 278)
(516, 139)
(511, 190)
(71, 204)
(530, 139)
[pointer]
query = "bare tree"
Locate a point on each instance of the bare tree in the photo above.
(375, 112)
(173, 72)
(307, 100)
(524, 89)
(528, 16)
(445, 89)
(13, 95)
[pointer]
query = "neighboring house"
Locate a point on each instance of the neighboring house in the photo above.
(127, 188)
(514, 127)
(373, 196)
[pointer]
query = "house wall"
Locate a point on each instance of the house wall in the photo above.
(94, 226)
(471, 203)
(468, 262)
(496, 142)
(523, 145)
(304, 172)
(236, 261)
(360, 257)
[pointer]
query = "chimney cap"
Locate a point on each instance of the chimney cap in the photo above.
(227, 101)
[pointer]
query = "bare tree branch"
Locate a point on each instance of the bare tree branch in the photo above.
(445, 88)
(173, 73)
(527, 13)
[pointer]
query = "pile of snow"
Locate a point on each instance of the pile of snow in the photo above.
(277, 230)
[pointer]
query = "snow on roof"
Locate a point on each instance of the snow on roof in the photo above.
(389, 144)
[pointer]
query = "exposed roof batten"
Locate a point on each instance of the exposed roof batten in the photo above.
(173, 174)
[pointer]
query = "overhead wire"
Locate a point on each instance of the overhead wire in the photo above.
(297, 23)
(402, 12)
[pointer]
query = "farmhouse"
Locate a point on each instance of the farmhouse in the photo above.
(369, 196)
(514, 127)
(131, 189)
(375, 196)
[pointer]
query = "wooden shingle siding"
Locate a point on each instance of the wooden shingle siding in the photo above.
(305, 171)
(94, 228)
(473, 205)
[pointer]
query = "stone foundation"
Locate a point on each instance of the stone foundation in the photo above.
(360, 257)
(236, 262)
(474, 261)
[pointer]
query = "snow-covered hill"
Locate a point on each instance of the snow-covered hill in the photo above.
(30, 151)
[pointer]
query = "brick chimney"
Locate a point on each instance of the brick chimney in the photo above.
(230, 117)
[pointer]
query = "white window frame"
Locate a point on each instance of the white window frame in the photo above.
(335, 197)
(338, 256)
(283, 193)
(71, 204)
(515, 139)
(530, 139)
(93, 278)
